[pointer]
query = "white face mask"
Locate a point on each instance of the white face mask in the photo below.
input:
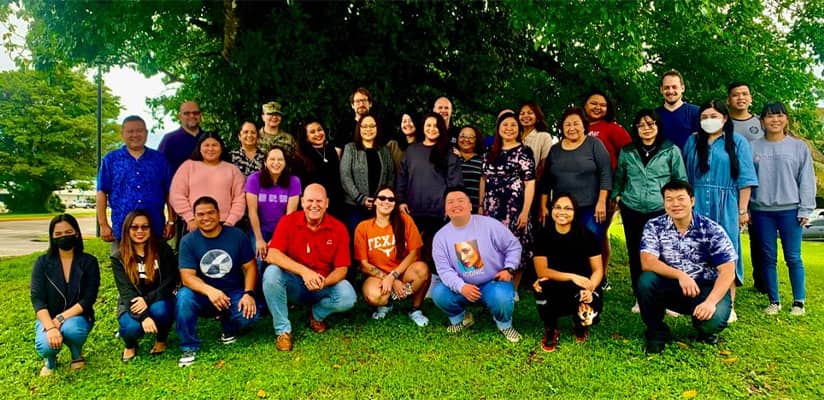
(712, 125)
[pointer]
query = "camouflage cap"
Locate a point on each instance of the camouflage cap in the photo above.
(272, 107)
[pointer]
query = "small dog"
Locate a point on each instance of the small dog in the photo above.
(586, 314)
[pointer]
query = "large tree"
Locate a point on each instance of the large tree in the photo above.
(48, 133)
(235, 55)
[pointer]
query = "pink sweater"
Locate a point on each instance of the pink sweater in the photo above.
(223, 182)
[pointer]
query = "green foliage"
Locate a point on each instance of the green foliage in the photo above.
(48, 133)
(234, 56)
(760, 356)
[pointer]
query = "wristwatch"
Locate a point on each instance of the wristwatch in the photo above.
(250, 293)
(510, 270)
(395, 274)
(60, 318)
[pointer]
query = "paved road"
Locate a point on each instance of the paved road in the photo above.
(23, 237)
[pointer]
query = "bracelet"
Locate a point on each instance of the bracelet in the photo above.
(395, 274)
(743, 212)
(53, 327)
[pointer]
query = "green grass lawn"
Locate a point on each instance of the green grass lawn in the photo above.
(759, 356)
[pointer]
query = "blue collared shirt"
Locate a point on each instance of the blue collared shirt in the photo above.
(132, 184)
(698, 252)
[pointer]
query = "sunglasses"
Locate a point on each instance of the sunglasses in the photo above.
(139, 228)
(386, 198)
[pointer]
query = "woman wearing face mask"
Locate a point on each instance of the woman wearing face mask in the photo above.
(64, 285)
(209, 173)
(249, 157)
(146, 276)
(720, 168)
(644, 166)
(781, 203)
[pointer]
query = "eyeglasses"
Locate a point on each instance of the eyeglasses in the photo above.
(135, 228)
(643, 125)
(188, 113)
(386, 198)
(567, 209)
(371, 126)
(466, 137)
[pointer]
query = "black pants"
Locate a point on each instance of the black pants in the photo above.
(634, 222)
(558, 299)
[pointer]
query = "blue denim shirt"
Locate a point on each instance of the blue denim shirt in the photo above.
(132, 184)
(698, 252)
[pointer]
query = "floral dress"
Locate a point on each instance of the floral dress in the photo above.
(504, 191)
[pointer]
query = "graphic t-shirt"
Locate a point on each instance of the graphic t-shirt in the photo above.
(377, 244)
(272, 201)
(219, 260)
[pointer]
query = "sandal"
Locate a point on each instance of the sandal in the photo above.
(78, 364)
(126, 358)
(158, 348)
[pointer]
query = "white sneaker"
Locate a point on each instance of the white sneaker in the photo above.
(798, 309)
(669, 312)
(733, 316)
(511, 334)
(636, 309)
(419, 319)
(467, 321)
(517, 297)
(381, 311)
(772, 309)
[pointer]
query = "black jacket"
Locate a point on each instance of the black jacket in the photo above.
(49, 289)
(162, 288)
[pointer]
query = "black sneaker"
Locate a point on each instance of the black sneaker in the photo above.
(605, 286)
(708, 339)
(655, 347)
(187, 359)
(227, 338)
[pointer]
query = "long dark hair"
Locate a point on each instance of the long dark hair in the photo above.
(646, 113)
(577, 223)
(305, 149)
(439, 155)
(224, 154)
(128, 254)
(401, 137)
(609, 116)
(498, 143)
(702, 146)
(266, 176)
(358, 139)
(540, 117)
(53, 249)
(397, 223)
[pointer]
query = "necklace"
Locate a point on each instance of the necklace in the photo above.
(648, 150)
(321, 154)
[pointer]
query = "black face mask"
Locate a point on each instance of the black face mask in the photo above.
(66, 242)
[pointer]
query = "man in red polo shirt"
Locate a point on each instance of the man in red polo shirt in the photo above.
(309, 257)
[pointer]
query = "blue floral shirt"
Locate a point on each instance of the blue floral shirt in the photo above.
(699, 252)
(132, 184)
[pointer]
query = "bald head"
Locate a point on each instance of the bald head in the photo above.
(190, 117)
(314, 202)
(444, 107)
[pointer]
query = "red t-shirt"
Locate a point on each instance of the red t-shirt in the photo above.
(613, 136)
(377, 245)
(321, 250)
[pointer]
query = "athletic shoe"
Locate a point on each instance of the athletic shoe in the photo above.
(605, 285)
(636, 309)
(733, 316)
(517, 297)
(581, 334)
(227, 338)
(315, 325)
(511, 334)
(419, 319)
(669, 312)
(467, 321)
(284, 342)
(46, 371)
(798, 309)
(187, 359)
(772, 309)
(655, 347)
(550, 340)
(381, 311)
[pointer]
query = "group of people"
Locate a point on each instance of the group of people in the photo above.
(281, 219)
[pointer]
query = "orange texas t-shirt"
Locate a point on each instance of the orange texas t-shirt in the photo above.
(377, 245)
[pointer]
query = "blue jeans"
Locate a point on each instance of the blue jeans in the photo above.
(770, 225)
(75, 331)
(161, 311)
(656, 294)
(280, 285)
(191, 305)
(497, 296)
(588, 215)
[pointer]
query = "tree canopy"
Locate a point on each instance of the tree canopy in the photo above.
(48, 133)
(232, 56)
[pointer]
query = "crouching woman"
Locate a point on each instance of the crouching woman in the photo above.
(568, 264)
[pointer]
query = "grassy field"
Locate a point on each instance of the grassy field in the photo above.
(759, 356)
(77, 212)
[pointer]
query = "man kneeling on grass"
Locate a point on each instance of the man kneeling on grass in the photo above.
(219, 273)
(689, 264)
(476, 257)
(309, 257)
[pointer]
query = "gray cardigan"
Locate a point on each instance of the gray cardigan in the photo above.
(354, 174)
